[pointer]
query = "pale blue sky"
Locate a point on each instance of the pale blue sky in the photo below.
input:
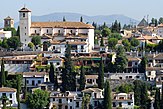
(133, 8)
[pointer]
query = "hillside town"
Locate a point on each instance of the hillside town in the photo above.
(78, 65)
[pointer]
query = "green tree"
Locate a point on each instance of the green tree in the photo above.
(25, 90)
(101, 75)
(102, 42)
(81, 19)
(112, 42)
(3, 75)
(115, 35)
(85, 101)
(18, 79)
(143, 65)
(13, 42)
(161, 102)
(134, 42)
(107, 96)
(36, 40)
(137, 92)
(64, 19)
(68, 74)
(125, 88)
(116, 27)
(160, 20)
(13, 31)
(121, 60)
(144, 96)
(106, 32)
(82, 78)
(4, 43)
(38, 99)
(157, 99)
(53, 75)
(31, 45)
(126, 44)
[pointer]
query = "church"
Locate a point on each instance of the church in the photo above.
(78, 34)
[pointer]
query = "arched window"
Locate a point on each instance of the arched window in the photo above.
(35, 31)
(47, 30)
(23, 14)
(59, 31)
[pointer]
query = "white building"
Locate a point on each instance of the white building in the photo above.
(123, 100)
(10, 93)
(4, 34)
(79, 34)
(67, 100)
(33, 79)
(160, 30)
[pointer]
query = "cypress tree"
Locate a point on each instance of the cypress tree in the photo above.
(161, 102)
(102, 42)
(18, 31)
(107, 96)
(64, 19)
(157, 99)
(25, 89)
(18, 79)
(2, 76)
(144, 96)
(81, 19)
(68, 76)
(82, 78)
(137, 92)
(51, 73)
(101, 75)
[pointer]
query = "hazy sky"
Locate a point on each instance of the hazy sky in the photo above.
(136, 9)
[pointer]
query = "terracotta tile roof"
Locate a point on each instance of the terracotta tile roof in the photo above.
(159, 56)
(92, 90)
(8, 18)
(133, 58)
(161, 25)
(24, 9)
(34, 73)
(153, 68)
(91, 76)
(7, 89)
(71, 43)
(149, 38)
(61, 25)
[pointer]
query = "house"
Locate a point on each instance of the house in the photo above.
(67, 100)
(4, 34)
(160, 30)
(10, 93)
(79, 35)
(123, 100)
(96, 96)
(91, 80)
(33, 79)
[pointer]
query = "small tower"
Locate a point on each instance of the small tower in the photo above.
(8, 22)
(24, 25)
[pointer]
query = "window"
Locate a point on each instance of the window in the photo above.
(58, 63)
(23, 14)
(39, 81)
(25, 33)
(70, 31)
(114, 104)
(11, 101)
(25, 27)
(10, 95)
(25, 40)
(66, 107)
(95, 95)
(47, 30)
(27, 81)
(130, 77)
(46, 79)
(59, 31)
(53, 99)
(77, 104)
(120, 104)
(149, 73)
(70, 107)
(95, 103)
(35, 31)
(3, 94)
(33, 82)
(70, 100)
(120, 77)
(60, 100)
(129, 103)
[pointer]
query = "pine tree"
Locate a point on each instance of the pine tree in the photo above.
(82, 78)
(68, 75)
(101, 75)
(2, 76)
(157, 99)
(107, 96)
(18, 79)
(81, 19)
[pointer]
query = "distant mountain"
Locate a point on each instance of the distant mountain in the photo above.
(99, 19)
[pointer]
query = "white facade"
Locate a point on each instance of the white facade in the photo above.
(123, 100)
(67, 100)
(25, 24)
(10, 93)
(4, 34)
(160, 30)
(58, 31)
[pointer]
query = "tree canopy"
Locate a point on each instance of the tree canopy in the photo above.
(38, 99)
(36, 40)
